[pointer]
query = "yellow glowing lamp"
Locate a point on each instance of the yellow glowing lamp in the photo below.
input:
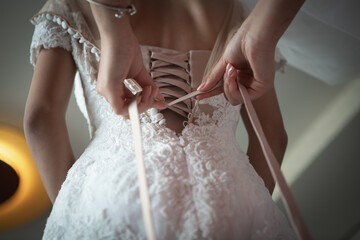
(30, 198)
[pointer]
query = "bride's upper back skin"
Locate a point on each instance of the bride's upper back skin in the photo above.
(181, 25)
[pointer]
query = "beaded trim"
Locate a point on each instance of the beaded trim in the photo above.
(153, 113)
(70, 29)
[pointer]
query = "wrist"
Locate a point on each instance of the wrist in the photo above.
(255, 30)
(269, 20)
(254, 39)
(107, 17)
(110, 26)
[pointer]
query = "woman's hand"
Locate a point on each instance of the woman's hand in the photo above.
(121, 58)
(230, 88)
(118, 63)
(256, 69)
(252, 48)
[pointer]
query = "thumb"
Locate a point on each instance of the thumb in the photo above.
(214, 77)
(143, 78)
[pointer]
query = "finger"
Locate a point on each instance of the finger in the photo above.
(117, 103)
(248, 81)
(114, 92)
(138, 100)
(144, 102)
(263, 76)
(159, 105)
(227, 92)
(151, 103)
(214, 77)
(155, 103)
(234, 91)
(154, 93)
(214, 92)
(126, 116)
(231, 88)
(159, 96)
(145, 96)
(143, 77)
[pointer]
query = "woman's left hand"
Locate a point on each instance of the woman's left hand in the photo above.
(231, 90)
(254, 60)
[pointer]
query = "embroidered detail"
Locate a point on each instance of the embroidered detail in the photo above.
(88, 46)
(202, 185)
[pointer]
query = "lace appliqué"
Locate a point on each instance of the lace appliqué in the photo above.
(202, 185)
(48, 35)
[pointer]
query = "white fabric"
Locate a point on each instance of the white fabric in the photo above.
(141, 172)
(201, 184)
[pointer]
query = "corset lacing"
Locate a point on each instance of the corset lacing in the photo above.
(171, 74)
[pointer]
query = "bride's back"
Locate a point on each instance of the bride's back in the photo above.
(176, 24)
(180, 25)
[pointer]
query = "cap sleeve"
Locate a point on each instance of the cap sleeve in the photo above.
(48, 34)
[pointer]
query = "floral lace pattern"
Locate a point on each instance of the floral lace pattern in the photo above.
(201, 184)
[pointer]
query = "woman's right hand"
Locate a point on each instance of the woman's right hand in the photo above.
(256, 68)
(121, 58)
(252, 48)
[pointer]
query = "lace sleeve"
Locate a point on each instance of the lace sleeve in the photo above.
(48, 34)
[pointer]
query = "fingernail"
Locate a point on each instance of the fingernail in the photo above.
(231, 71)
(139, 99)
(201, 86)
(227, 66)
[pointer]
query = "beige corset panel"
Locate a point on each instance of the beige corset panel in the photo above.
(176, 73)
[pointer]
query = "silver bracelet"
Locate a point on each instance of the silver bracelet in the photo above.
(120, 11)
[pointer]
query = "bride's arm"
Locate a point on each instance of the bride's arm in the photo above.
(44, 118)
(268, 111)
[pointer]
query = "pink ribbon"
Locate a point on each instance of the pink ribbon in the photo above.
(288, 199)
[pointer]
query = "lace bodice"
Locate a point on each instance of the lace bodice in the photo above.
(201, 183)
(60, 25)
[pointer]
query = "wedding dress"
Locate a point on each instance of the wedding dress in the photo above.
(201, 184)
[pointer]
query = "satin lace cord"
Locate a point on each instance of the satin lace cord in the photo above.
(288, 199)
(289, 202)
(140, 166)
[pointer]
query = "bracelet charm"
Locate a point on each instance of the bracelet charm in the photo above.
(131, 10)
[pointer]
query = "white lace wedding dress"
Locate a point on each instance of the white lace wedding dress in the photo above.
(201, 183)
